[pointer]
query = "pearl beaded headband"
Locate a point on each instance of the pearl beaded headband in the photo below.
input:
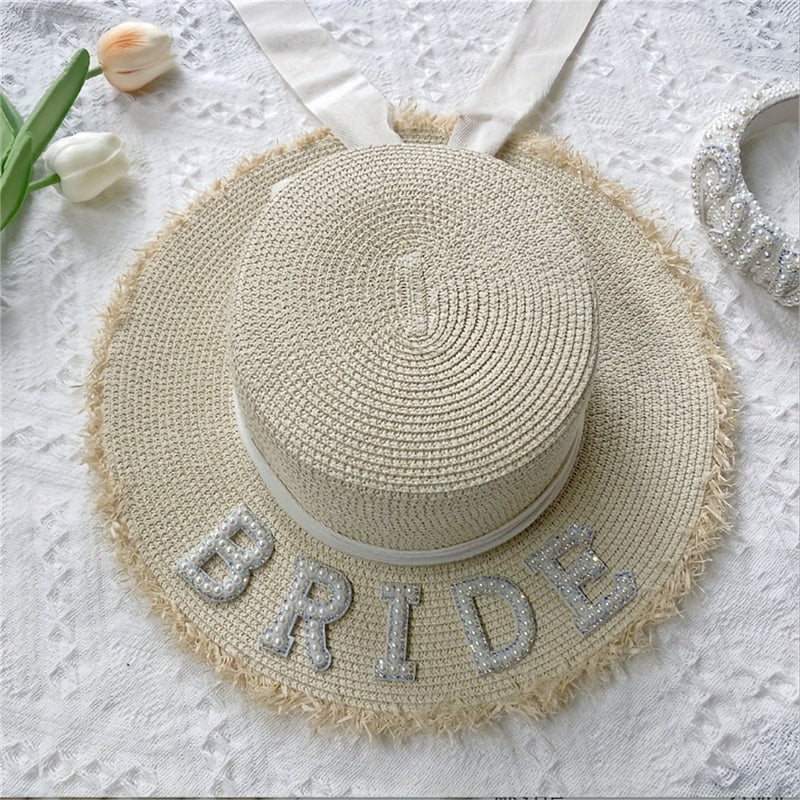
(737, 225)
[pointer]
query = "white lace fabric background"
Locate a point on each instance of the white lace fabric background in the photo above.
(97, 697)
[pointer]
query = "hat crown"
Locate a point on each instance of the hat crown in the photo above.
(410, 355)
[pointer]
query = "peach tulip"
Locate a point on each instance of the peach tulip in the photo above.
(133, 54)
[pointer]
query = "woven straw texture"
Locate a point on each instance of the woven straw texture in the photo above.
(426, 371)
(649, 480)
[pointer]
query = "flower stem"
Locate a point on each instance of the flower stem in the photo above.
(48, 181)
(93, 73)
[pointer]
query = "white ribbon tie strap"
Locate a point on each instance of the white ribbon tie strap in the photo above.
(523, 74)
(314, 67)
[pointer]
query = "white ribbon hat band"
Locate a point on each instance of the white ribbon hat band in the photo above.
(413, 558)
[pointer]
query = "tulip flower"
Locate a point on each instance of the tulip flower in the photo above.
(133, 54)
(86, 164)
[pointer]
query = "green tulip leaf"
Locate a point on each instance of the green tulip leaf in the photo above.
(10, 113)
(6, 137)
(50, 111)
(16, 174)
(10, 123)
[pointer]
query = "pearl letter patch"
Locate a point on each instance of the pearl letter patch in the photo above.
(316, 615)
(569, 581)
(488, 660)
(238, 560)
(394, 666)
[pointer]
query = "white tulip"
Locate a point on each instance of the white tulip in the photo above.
(133, 54)
(86, 163)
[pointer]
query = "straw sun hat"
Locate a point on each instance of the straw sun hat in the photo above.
(410, 436)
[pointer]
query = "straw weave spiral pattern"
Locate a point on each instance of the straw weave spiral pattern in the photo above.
(649, 481)
(412, 356)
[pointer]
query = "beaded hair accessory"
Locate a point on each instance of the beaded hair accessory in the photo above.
(737, 225)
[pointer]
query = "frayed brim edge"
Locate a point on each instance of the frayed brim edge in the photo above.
(441, 719)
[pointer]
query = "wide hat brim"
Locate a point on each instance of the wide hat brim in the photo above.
(650, 479)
